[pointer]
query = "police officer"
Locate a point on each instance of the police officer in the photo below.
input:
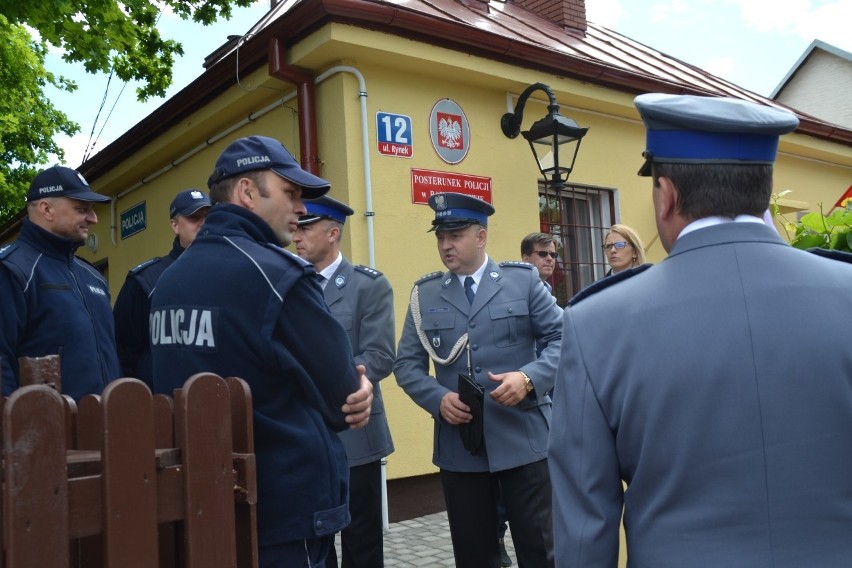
(51, 301)
(361, 299)
(235, 303)
(186, 213)
(482, 319)
(684, 381)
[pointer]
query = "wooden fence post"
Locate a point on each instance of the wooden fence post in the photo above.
(35, 488)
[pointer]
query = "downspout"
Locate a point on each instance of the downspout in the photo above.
(278, 68)
(305, 94)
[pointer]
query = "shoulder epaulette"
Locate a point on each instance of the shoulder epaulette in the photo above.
(596, 287)
(517, 264)
(832, 254)
(430, 276)
(371, 272)
(6, 250)
(142, 266)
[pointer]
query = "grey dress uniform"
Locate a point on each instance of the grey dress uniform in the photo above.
(510, 311)
(508, 314)
(361, 300)
(717, 384)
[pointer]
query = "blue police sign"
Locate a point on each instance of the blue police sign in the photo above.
(134, 220)
(393, 134)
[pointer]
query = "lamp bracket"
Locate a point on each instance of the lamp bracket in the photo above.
(510, 123)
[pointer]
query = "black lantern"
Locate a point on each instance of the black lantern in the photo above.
(554, 135)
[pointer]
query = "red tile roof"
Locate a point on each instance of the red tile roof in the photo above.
(502, 31)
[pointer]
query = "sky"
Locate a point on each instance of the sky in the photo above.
(751, 43)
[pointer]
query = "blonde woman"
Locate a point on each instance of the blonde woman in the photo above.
(623, 249)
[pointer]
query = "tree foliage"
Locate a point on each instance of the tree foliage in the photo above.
(118, 36)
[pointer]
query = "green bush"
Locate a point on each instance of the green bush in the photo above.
(816, 229)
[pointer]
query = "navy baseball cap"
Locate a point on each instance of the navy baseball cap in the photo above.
(59, 181)
(188, 202)
(689, 129)
(264, 153)
(457, 211)
(325, 208)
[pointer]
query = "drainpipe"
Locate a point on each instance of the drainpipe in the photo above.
(308, 123)
(305, 94)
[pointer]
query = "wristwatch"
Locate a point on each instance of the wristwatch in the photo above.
(528, 384)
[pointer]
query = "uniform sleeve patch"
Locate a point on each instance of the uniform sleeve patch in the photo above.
(430, 276)
(604, 283)
(371, 272)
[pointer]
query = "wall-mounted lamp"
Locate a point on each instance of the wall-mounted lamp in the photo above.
(549, 137)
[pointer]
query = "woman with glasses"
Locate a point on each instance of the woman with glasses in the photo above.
(623, 249)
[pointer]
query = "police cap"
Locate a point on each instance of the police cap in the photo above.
(688, 129)
(325, 208)
(457, 211)
(264, 153)
(59, 181)
(188, 202)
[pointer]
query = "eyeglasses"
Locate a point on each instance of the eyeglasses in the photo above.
(619, 245)
(545, 254)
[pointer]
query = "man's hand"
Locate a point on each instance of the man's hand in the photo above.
(359, 403)
(453, 410)
(511, 390)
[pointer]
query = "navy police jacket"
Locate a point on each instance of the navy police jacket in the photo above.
(52, 302)
(237, 304)
(131, 315)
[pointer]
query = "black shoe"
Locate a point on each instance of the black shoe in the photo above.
(504, 556)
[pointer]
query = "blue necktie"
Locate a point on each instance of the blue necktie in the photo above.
(468, 289)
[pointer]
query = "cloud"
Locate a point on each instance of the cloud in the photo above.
(669, 13)
(75, 148)
(721, 66)
(607, 13)
(827, 20)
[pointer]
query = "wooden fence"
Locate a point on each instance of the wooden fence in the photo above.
(127, 479)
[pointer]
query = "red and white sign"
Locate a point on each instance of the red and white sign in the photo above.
(425, 183)
(449, 131)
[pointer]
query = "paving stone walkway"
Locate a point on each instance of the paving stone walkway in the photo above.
(424, 542)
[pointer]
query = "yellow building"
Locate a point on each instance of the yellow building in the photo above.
(356, 89)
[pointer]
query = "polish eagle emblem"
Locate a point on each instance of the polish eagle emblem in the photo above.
(450, 131)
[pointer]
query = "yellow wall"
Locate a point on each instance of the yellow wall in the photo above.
(406, 77)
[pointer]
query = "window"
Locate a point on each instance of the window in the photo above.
(578, 216)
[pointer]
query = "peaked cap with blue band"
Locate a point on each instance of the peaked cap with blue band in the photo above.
(254, 153)
(325, 208)
(688, 129)
(457, 211)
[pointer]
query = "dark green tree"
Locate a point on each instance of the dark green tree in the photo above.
(118, 36)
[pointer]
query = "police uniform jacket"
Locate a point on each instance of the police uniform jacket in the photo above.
(131, 310)
(237, 304)
(361, 299)
(511, 310)
(717, 385)
(52, 302)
